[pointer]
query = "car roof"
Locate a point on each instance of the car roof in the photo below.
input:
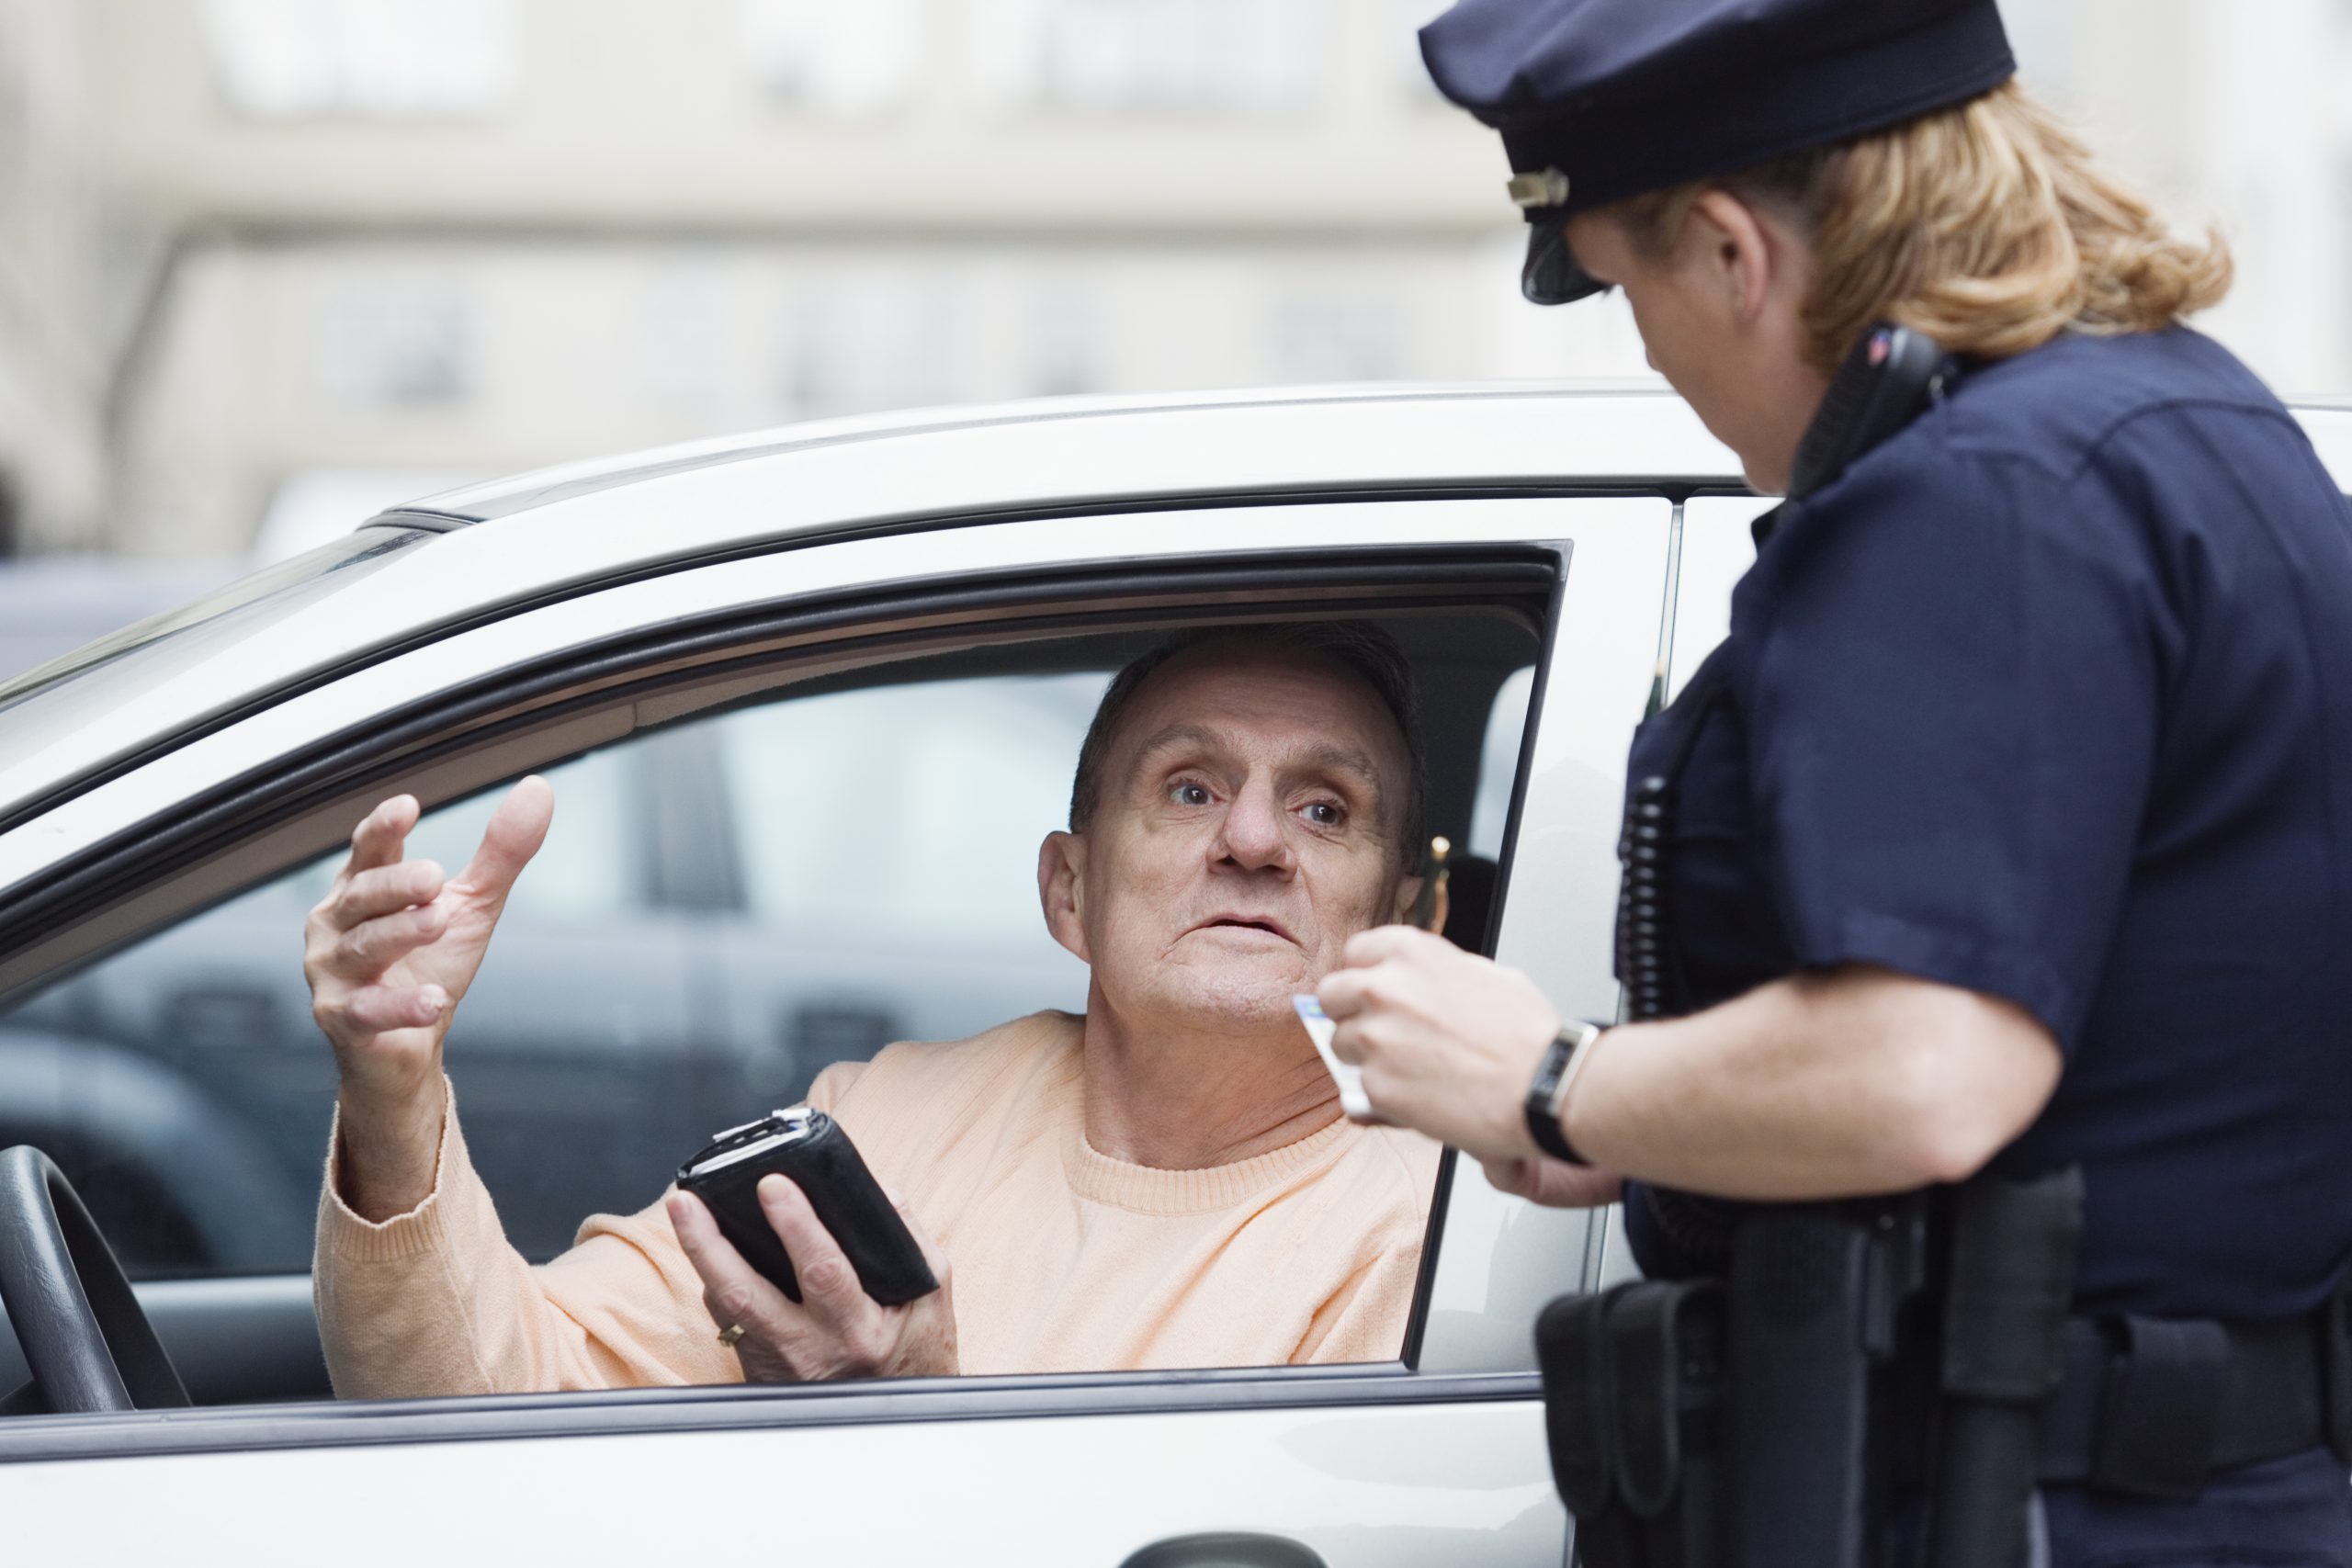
(492, 549)
(1059, 419)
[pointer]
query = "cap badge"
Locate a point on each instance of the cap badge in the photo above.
(1549, 188)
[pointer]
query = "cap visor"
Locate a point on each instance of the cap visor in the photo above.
(1551, 275)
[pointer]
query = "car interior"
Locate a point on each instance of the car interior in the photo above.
(164, 1063)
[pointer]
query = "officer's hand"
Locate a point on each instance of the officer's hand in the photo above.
(835, 1330)
(1448, 1040)
(389, 953)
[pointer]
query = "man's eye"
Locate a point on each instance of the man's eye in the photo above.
(1326, 814)
(1190, 794)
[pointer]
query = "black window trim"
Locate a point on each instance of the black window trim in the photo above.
(1025, 603)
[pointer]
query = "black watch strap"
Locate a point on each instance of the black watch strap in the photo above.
(1549, 1092)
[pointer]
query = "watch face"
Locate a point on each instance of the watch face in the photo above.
(1548, 1075)
(1549, 1093)
(1560, 1082)
(1567, 1048)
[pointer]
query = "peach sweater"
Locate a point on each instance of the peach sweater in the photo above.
(1063, 1259)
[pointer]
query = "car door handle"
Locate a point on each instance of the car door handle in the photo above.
(1226, 1548)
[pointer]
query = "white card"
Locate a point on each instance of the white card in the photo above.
(1349, 1077)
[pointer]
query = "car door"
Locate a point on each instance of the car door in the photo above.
(1435, 1456)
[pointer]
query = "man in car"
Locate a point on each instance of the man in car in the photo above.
(1166, 1182)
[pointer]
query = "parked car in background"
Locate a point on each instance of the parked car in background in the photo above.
(808, 701)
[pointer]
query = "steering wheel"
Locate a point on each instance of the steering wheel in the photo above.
(85, 1336)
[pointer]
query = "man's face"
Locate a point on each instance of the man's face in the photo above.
(1247, 827)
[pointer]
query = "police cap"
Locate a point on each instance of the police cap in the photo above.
(1598, 100)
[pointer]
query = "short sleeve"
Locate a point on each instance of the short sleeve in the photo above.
(1951, 686)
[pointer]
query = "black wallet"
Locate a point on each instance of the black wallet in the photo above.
(810, 1147)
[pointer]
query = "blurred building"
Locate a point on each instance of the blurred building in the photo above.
(2239, 114)
(402, 239)
(291, 259)
(52, 379)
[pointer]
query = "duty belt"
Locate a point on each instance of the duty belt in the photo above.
(2156, 1407)
(1689, 1429)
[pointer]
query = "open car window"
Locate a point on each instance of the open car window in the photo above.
(724, 906)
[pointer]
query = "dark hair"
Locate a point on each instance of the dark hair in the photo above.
(1366, 652)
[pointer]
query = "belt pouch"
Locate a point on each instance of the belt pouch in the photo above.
(1579, 1425)
(1800, 1391)
(1666, 1372)
(2160, 1408)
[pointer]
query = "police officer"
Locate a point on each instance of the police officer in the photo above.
(2011, 829)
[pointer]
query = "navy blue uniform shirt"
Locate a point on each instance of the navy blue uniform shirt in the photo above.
(2050, 697)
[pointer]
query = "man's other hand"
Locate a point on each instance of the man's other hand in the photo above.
(835, 1330)
(1554, 1183)
(389, 953)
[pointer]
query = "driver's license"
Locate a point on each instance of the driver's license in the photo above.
(1349, 1077)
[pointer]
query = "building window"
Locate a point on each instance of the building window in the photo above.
(1246, 56)
(392, 59)
(2038, 30)
(866, 348)
(395, 346)
(834, 59)
(1061, 344)
(1321, 340)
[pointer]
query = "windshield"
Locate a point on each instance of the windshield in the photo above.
(42, 707)
(282, 583)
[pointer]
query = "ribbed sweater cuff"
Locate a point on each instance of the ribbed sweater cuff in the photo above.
(421, 1230)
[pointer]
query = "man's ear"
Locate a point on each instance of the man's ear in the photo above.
(1409, 893)
(1061, 890)
(1736, 248)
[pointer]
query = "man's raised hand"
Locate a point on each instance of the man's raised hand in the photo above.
(389, 953)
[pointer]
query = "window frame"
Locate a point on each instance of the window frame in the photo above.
(532, 699)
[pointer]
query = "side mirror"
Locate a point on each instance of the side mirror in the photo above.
(1226, 1548)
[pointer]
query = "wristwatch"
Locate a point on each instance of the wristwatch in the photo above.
(1549, 1092)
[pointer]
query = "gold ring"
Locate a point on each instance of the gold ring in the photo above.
(731, 1332)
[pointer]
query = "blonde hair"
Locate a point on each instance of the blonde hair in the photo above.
(1990, 228)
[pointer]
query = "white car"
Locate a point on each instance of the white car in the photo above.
(872, 647)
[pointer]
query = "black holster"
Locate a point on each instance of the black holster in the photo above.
(1822, 1298)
